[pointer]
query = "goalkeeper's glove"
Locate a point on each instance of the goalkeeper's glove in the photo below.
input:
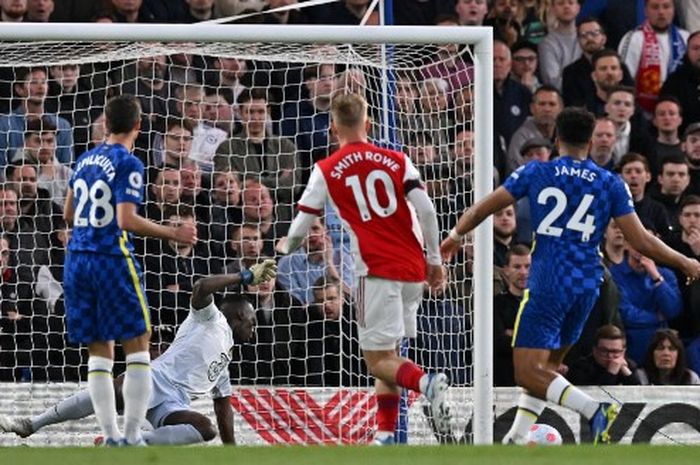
(259, 273)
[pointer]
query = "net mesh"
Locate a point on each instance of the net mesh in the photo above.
(236, 168)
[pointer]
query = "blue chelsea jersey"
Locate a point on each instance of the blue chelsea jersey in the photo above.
(571, 204)
(104, 177)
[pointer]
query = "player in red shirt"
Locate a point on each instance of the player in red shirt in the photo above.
(369, 187)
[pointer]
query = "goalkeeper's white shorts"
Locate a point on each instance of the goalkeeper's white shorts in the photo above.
(386, 311)
(165, 399)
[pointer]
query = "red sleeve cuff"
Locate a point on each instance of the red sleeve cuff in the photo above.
(309, 210)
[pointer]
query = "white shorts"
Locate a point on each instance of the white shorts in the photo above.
(386, 311)
(165, 399)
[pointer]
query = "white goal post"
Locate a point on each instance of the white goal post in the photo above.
(13, 36)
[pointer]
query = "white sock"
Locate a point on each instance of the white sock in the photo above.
(562, 392)
(529, 410)
(74, 407)
(173, 435)
(101, 389)
(137, 394)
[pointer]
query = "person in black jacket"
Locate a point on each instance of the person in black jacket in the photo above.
(505, 310)
(607, 365)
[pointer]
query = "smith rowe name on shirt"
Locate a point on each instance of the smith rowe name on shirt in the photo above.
(586, 174)
(354, 157)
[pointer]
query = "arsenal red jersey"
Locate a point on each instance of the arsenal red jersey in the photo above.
(367, 186)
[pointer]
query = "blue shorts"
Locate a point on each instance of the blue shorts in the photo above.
(105, 300)
(552, 321)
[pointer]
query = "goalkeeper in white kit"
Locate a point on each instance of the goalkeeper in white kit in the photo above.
(194, 365)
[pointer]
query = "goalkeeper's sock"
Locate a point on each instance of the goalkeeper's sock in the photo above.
(137, 394)
(387, 413)
(101, 389)
(410, 375)
(173, 435)
(74, 407)
(562, 392)
(529, 410)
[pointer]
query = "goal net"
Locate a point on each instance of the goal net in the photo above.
(229, 133)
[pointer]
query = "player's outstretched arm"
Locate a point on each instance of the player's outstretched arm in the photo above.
(204, 288)
(224, 420)
(495, 201)
(425, 211)
(128, 219)
(297, 233)
(651, 246)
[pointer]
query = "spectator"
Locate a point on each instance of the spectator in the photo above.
(164, 191)
(634, 169)
(258, 208)
(608, 364)
(421, 148)
(449, 64)
(434, 116)
(608, 74)
(504, 227)
(40, 151)
(406, 117)
(268, 359)
(260, 155)
(205, 139)
(524, 67)
(684, 82)
(175, 145)
(30, 244)
(297, 16)
(673, 181)
(540, 149)
(511, 104)
(578, 86)
(13, 11)
(603, 143)
(246, 246)
(72, 99)
(653, 51)
(559, 48)
(171, 273)
(149, 85)
(471, 12)
(308, 120)
(199, 10)
(225, 205)
(129, 11)
(329, 351)
(503, 18)
(686, 240)
(505, 311)
(193, 194)
(39, 11)
(667, 119)
(665, 364)
(649, 297)
(227, 77)
(219, 112)
(545, 107)
(299, 270)
(31, 86)
(691, 148)
(616, 16)
(632, 134)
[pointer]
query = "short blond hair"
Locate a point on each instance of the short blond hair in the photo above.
(349, 110)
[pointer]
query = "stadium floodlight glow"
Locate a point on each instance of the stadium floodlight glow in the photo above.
(426, 113)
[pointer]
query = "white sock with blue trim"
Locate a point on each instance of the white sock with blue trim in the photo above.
(137, 394)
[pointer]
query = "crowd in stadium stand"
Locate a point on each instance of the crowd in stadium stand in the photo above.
(229, 143)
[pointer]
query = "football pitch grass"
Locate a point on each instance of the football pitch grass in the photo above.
(506, 455)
